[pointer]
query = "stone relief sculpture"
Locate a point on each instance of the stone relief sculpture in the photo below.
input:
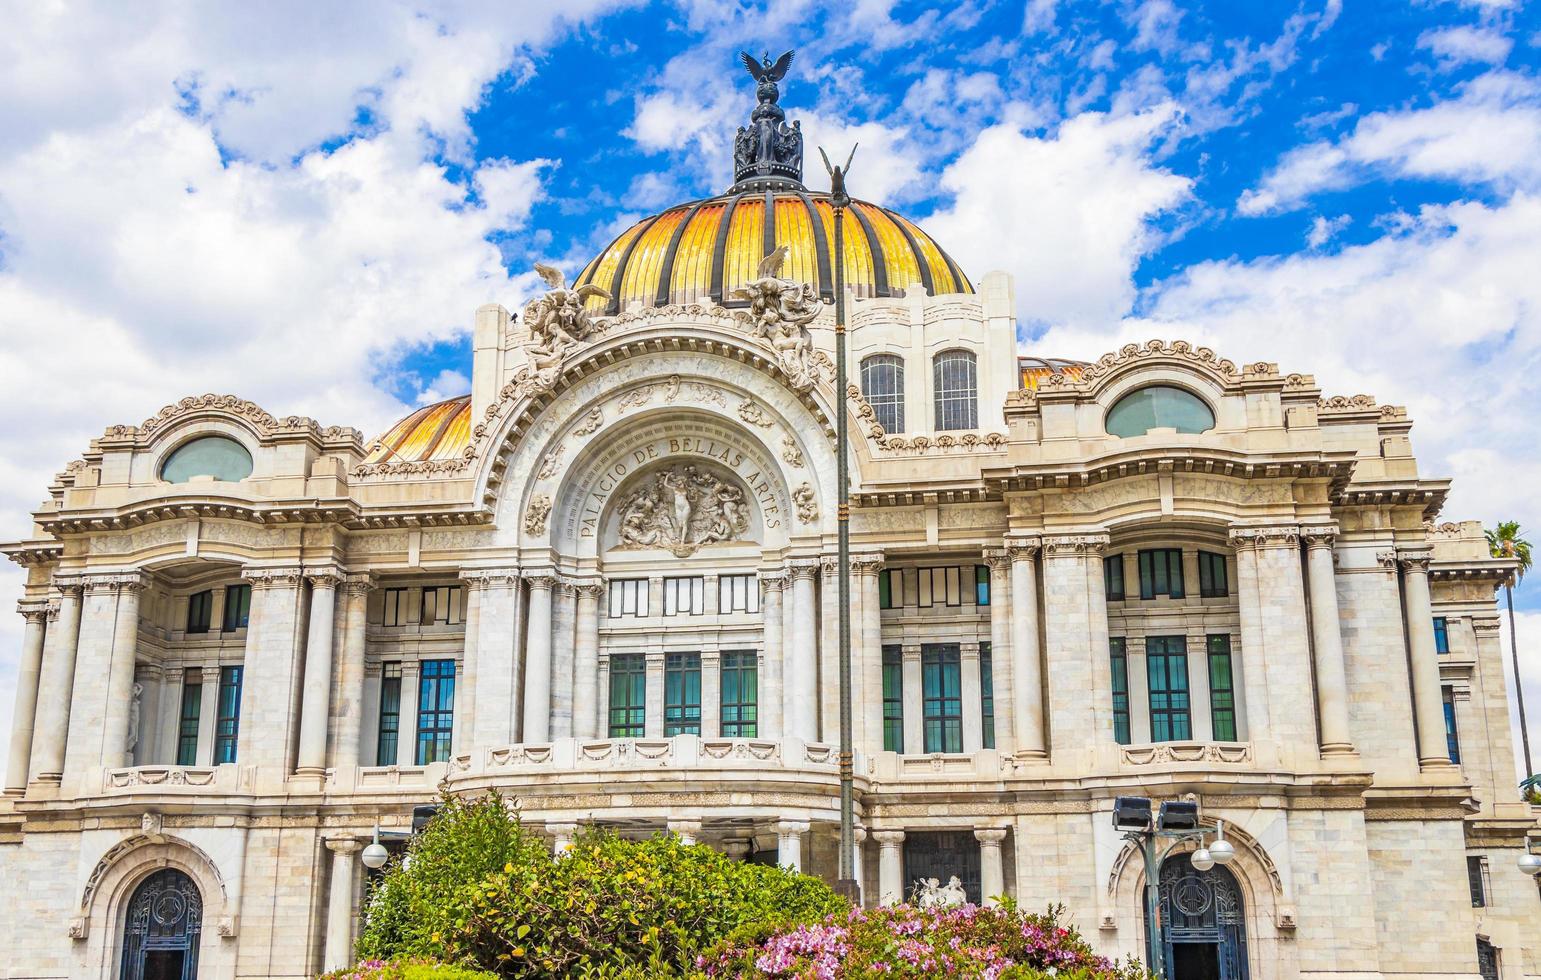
(559, 324)
(778, 315)
(790, 452)
(133, 721)
(751, 411)
(549, 464)
(591, 423)
(535, 515)
(807, 504)
(680, 509)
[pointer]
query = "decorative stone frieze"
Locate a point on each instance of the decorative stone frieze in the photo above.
(230, 405)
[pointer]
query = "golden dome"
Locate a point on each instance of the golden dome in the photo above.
(701, 251)
(438, 431)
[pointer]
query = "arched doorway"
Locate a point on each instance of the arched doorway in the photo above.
(162, 928)
(1203, 922)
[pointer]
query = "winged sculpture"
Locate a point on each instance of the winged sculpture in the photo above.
(767, 70)
(559, 321)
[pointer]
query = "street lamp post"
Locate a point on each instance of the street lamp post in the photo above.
(1177, 822)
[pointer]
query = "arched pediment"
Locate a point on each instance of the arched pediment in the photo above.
(1113, 372)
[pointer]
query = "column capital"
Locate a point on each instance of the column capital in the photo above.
(803, 568)
(324, 576)
(859, 835)
(562, 829)
(547, 580)
(1021, 549)
(774, 581)
(990, 836)
(888, 838)
(1260, 536)
(792, 828)
(685, 828)
(589, 590)
(129, 580)
(1415, 561)
(207, 673)
(998, 559)
(344, 845)
(36, 610)
(358, 583)
(1086, 545)
(475, 579)
(1319, 535)
(284, 577)
(867, 563)
(68, 582)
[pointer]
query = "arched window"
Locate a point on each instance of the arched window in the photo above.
(1159, 407)
(217, 456)
(882, 381)
(955, 381)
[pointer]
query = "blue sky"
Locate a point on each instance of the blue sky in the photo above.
(303, 204)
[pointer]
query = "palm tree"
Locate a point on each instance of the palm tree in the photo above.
(1505, 542)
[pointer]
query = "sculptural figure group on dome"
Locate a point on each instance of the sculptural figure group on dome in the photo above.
(559, 323)
(779, 313)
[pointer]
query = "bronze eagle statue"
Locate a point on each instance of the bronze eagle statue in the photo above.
(767, 71)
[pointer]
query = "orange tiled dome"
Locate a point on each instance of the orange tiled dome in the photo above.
(438, 431)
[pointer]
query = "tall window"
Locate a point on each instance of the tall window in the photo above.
(1120, 656)
(890, 589)
(1161, 573)
(1477, 880)
(1213, 583)
(685, 596)
(893, 699)
(237, 607)
(987, 694)
(682, 694)
(738, 593)
(981, 585)
(941, 675)
(1452, 737)
(187, 723)
(387, 745)
(442, 605)
(435, 710)
(1222, 689)
(200, 605)
(882, 381)
(957, 390)
(1441, 635)
(1166, 664)
(628, 597)
(740, 694)
(1113, 577)
(396, 606)
(227, 719)
(628, 695)
(940, 586)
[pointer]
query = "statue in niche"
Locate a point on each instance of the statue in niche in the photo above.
(133, 723)
(559, 323)
(680, 508)
(779, 313)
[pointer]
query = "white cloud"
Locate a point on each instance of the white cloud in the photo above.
(1490, 134)
(1324, 230)
(1456, 46)
(1155, 24)
(1038, 16)
(1528, 629)
(1068, 215)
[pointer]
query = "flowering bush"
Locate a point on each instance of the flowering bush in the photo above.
(406, 970)
(903, 941)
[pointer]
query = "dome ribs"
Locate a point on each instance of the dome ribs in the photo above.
(821, 249)
(879, 260)
(720, 247)
(620, 267)
(921, 264)
(666, 268)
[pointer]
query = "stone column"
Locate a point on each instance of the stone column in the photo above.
(828, 619)
(771, 681)
(688, 831)
(316, 698)
(1327, 641)
(406, 725)
(1281, 707)
(339, 905)
(349, 750)
(586, 663)
(652, 694)
(1003, 673)
(1026, 662)
(1079, 676)
(859, 862)
(56, 682)
(105, 691)
(493, 686)
(268, 728)
(564, 616)
(789, 843)
(801, 682)
(867, 656)
(1428, 702)
(145, 731)
(911, 691)
(28, 676)
(537, 679)
(992, 873)
(890, 866)
(711, 693)
(208, 711)
(562, 835)
(972, 689)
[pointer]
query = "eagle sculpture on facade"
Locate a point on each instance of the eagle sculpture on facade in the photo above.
(767, 70)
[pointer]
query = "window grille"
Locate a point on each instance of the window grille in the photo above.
(1166, 666)
(442, 605)
(942, 703)
(1222, 689)
(1161, 573)
(435, 710)
(237, 607)
(395, 611)
(227, 721)
(187, 722)
(882, 383)
(940, 586)
(1213, 581)
(199, 607)
(628, 695)
(893, 699)
(740, 694)
(387, 743)
(1120, 658)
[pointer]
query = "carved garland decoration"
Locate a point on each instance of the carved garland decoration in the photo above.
(250, 412)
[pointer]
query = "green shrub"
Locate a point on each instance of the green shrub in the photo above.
(481, 890)
(407, 970)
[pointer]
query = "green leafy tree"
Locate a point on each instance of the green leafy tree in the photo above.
(1504, 541)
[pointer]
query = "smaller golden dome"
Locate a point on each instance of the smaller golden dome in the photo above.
(438, 431)
(1034, 369)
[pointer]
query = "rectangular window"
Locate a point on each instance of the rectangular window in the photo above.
(237, 607)
(1166, 665)
(888, 585)
(941, 586)
(1117, 650)
(1441, 635)
(435, 710)
(1452, 737)
(1213, 583)
(628, 597)
(1222, 689)
(987, 694)
(227, 720)
(981, 585)
(1477, 878)
(738, 593)
(442, 605)
(681, 694)
(387, 745)
(200, 605)
(1161, 573)
(395, 607)
(941, 676)
(684, 596)
(628, 694)
(893, 699)
(740, 694)
(1113, 577)
(187, 724)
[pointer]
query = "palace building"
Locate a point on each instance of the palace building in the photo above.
(604, 582)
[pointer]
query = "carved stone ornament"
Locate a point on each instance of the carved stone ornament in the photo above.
(790, 452)
(681, 508)
(1415, 561)
(591, 423)
(669, 388)
(549, 464)
(133, 720)
(1266, 536)
(152, 825)
(1319, 535)
(929, 894)
(77, 927)
(751, 411)
(559, 324)
(535, 515)
(778, 316)
(807, 504)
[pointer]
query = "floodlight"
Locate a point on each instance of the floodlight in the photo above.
(1178, 815)
(1131, 813)
(421, 815)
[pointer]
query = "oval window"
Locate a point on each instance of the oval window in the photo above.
(216, 456)
(1159, 407)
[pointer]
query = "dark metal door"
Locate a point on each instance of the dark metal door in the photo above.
(940, 855)
(1202, 908)
(162, 928)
